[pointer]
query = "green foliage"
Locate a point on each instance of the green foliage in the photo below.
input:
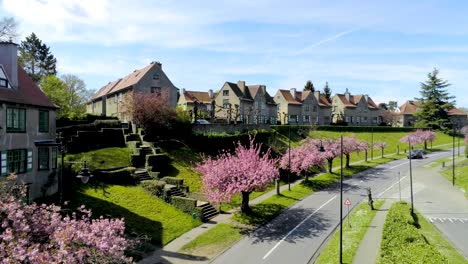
(461, 174)
(402, 242)
(35, 57)
(184, 204)
(101, 159)
(309, 86)
(86, 119)
(132, 137)
(434, 102)
(360, 219)
(56, 91)
(125, 176)
(89, 140)
(327, 92)
(144, 214)
(154, 187)
(173, 181)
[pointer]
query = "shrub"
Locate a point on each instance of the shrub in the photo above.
(136, 160)
(157, 162)
(402, 242)
(123, 176)
(154, 187)
(132, 137)
(173, 180)
(154, 174)
(184, 204)
(134, 146)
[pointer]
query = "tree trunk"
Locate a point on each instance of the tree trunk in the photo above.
(330, 164)
(347, 161)
(306, 175)
(245, 208)
(365, 155)
(425, 145)
(277, 183)
(382, 152)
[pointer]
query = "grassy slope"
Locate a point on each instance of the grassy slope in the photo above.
(461, 174)
(143, 213)
(360, 219)
(106, 158)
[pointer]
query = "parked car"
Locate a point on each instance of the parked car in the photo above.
(201, 122)
(416, 154)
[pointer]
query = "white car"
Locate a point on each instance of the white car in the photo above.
(201, 122)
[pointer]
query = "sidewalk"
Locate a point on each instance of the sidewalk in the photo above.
(370, 244)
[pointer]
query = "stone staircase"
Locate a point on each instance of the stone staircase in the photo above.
(142, 175)
(146, 150)
(174, 191)
(208, 210)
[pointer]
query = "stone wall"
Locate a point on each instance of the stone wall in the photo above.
(226, 128)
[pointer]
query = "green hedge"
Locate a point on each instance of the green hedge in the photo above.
(132, 137)
(87, 119)
(184, 204)
(402, 242)
(90, 140)
(154, 187)
(125, 176)
(173, 180)
(283, 129)
(157, 162)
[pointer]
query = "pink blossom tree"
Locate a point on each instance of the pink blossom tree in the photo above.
(381, 145)
(425, 136)
(43, 234)
(303, 158)
(412, 139)
(242, 172)
(350, 145)
(332, 150)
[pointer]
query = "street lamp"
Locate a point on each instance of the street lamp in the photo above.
(289, 155)
(411, 175)
(372, 144)
(453, 154)
(341, 199)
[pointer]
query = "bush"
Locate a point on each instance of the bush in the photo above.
(184, 204)
(134, 146)
(173, 180)
(132, 137)
(89, 140)
(283, 129)
(402, 242)
(125, 176)
(154, 187)
(136, 160)
(87, 119)
(157, 162)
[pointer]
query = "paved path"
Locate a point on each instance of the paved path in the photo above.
(370, 244)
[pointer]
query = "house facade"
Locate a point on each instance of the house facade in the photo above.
(27, 128)
(302, 107)
(202, 100)
(410, 107)
(355, 110)
(237, 102)
(110, 99)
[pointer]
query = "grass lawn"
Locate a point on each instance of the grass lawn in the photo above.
(183, 160)
(360, 219)
(103, 159)
(207, 244)
(143, 213)
(461, 174)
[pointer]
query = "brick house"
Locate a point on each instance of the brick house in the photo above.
(407, 117)
(302, 107)
(355, 110)
(203, 100)
(237, 102)
(27, 128)
(109, 100)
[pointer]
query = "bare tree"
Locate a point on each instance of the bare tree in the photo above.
(8, 29)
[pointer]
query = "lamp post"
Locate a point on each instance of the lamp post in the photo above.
(411, 176)
(372, 144)
(453, 155)
(289, 155)
(341, 199)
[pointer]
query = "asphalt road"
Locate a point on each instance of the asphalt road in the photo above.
(298, 233)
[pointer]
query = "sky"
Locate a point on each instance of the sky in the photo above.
(381, 48)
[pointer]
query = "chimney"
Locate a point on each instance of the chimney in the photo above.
(366, 96)
(293, 93)
(263, 88)
(347, 94)
(211, 94)
(317, 95)
(182, 91)
(241, 85)
(9, 60)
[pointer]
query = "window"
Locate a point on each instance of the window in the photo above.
(347, 119)
(306, 108)
(115, 98)
(3, 83)
(293, 118)
(155, 76)
(374, 120)
(120, 97)
(315, 108)
(43, 158)
(225, 92)
(54, 157)
(156, 90)
(226, 103)
(16, 161)
(16, 120)
(306, 119)
(43, 121)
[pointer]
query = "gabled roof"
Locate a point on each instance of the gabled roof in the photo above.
(123, 83)
(301, 96)
(27, 93)
(250, 92)
(289, 98)
(201, 97)
(456, 111)
(410, 107)
(355, 99)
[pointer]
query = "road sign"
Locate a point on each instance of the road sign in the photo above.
(347, 202)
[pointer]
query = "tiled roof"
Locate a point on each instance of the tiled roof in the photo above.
(409, 107)
(301, 96)
(27, 93)
(354, 100)
(456, 111)
(124, 82)
(289, 98)
(249, 93)
(323, 101)
(192, 96)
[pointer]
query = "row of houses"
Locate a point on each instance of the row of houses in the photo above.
(252, 104)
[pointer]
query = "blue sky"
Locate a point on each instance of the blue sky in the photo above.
(381, 48)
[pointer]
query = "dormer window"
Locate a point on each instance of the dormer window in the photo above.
(3, 83)
(155, 76)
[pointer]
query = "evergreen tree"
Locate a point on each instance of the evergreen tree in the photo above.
(36, 58)
(392, 106)
(327, 91)
(434, 102)
(309, 86)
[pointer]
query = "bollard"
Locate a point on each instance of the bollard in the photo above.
(369, 196)
(443, 164)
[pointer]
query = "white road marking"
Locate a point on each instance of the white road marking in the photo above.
(430, 219)
(290, 232)
(450, 219)
(397, 165)
(391, 186)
